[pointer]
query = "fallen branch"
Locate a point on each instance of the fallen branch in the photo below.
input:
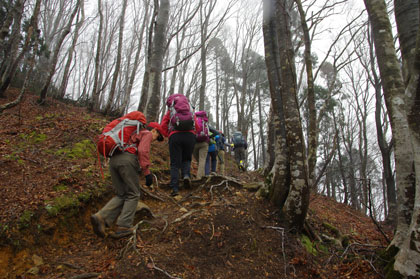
(85, 276)
(360, 244)
(150, 194)
(179, 219)
(212, 234)
(161, 270)
(71, 265)
(280, 230)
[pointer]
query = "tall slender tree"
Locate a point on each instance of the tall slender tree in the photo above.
(154, 77)
(403, 104)
(115, 76)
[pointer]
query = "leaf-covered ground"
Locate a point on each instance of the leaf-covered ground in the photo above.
(50, 183)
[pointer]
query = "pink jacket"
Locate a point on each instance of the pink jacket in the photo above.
(165, 126)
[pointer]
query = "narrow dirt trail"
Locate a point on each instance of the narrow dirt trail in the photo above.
(214, 231)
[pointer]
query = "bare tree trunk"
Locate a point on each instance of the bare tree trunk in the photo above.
(10, 48)
(94, 102)
(204, 15)
(33, 36)
(155, 76)
(407, 18)
(10, 65)
(57, 49)
(404, 116)
(261, 122)
(66, 74)
(384, 146)
(297, 200)
(145, 85)
(341, 163)
(108, 107)
(312, 115)
(7, 22)
(269, 163)
(279, 174)
(136, 63)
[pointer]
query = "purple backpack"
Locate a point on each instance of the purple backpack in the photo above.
(181, 114)
(202, 134)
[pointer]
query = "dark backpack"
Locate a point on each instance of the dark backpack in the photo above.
(116, 134)
(181, 113)
(202, 133)
(238, 140)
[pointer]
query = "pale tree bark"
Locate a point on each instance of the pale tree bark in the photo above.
(205, 13)
(312, 114)
(407, 18)
(340, 163)
(174, 76)
(7, 22)
(278, 167)
(79, 23)
(403, 108)
(53, 65)
(156, 62)
(382, 122)
(262, 138)
(94, 102)
(109, 105)
(139, 34)
(295, 182)
(148, 56)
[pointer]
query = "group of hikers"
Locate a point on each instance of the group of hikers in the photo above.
(127, 142)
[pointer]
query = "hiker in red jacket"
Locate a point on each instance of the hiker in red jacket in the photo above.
(125, 167)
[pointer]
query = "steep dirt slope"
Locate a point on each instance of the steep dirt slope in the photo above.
(51, 183)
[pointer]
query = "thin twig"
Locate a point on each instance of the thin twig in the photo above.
(212, 234)
(280, 230)
(179, 219)
(157, 181)
(85, 276)
(150, 194)
(163, 271)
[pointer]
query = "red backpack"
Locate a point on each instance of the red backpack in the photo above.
(202, 133)
(116, 134)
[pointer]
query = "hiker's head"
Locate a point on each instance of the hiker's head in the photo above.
(156, 130)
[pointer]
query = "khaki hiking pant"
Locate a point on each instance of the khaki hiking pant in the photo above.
(200, 154)
(221, 161)
(124, 168)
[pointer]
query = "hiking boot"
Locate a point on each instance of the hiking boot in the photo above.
(174, 193)
(187, 182)
(98, 224)
(121, 232)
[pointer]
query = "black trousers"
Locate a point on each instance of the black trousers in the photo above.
(181, 146)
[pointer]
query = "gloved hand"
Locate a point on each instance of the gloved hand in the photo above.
(149, 179)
